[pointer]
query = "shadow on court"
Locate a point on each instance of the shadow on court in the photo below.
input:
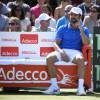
(39, 92)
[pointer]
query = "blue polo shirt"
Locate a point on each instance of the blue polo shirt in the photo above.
(70, 38)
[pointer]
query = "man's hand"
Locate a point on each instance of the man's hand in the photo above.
(77, 24)
(64, 56)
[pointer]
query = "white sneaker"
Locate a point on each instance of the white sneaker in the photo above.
(52, 90)
(81, 92)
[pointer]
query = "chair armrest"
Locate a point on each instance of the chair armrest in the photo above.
(87, 52)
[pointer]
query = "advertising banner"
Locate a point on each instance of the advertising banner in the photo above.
(15, 45)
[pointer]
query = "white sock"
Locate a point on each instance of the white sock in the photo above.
(81, 84)
(54, 82)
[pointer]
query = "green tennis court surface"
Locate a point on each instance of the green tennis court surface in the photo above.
(66, 94)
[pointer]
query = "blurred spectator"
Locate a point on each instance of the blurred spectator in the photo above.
(17, 11)
(85, 6)
(77, 2)
(46, 8)
(14, 25)
(4, 9)
(64, 20)
(91, 20)
(98, 2)
(6, 1)
(59, 11)
(44, 20)
(53, 4)
(3, 19)
(98, 23)
(36, 10)
(25, 6)
(31, 2)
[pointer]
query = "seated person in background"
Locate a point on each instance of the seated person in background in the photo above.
(64, 20)
(37, 10)
(98, 23)
(5, 10)
(17, 11)
(68, 44)
(46, 9)
(59, 11)
(14, 25)
(3, 19)
(91, 19)
(85, 7)
(44, 21)
(26, 7)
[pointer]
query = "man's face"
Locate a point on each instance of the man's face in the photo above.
(73, 16)
(14, 26)
(45, 23)
(74, 19)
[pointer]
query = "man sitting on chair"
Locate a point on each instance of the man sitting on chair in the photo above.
(68, 43)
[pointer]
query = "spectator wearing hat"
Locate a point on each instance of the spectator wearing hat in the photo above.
(64, 19)
(68, 47)
(46, 8)
(44, 21)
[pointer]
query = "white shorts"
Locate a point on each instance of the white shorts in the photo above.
(70, 52)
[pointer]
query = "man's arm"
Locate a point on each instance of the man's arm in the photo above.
(56, 45)
(64, 56)
(85, 39)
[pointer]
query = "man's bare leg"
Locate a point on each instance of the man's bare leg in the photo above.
(81, 72)
(54, 88)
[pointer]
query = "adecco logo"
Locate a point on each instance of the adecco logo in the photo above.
(9, 51)
(45, 50)
(20, 75)
(29, 38)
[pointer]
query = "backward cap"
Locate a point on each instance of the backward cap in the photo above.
(76, 10)
(68, 7)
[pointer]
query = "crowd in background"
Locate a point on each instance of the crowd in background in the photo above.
(45, 15)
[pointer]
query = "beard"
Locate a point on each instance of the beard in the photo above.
(73, 20)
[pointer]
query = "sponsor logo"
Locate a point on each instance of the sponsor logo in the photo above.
(9, 51)
(45, 50)
(29, 38)
(8, 40)
(47, 40)
(28, 52)
(15, 74)
(22, 75)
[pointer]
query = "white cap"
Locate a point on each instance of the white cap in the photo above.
(76, 10)
(44, 16)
